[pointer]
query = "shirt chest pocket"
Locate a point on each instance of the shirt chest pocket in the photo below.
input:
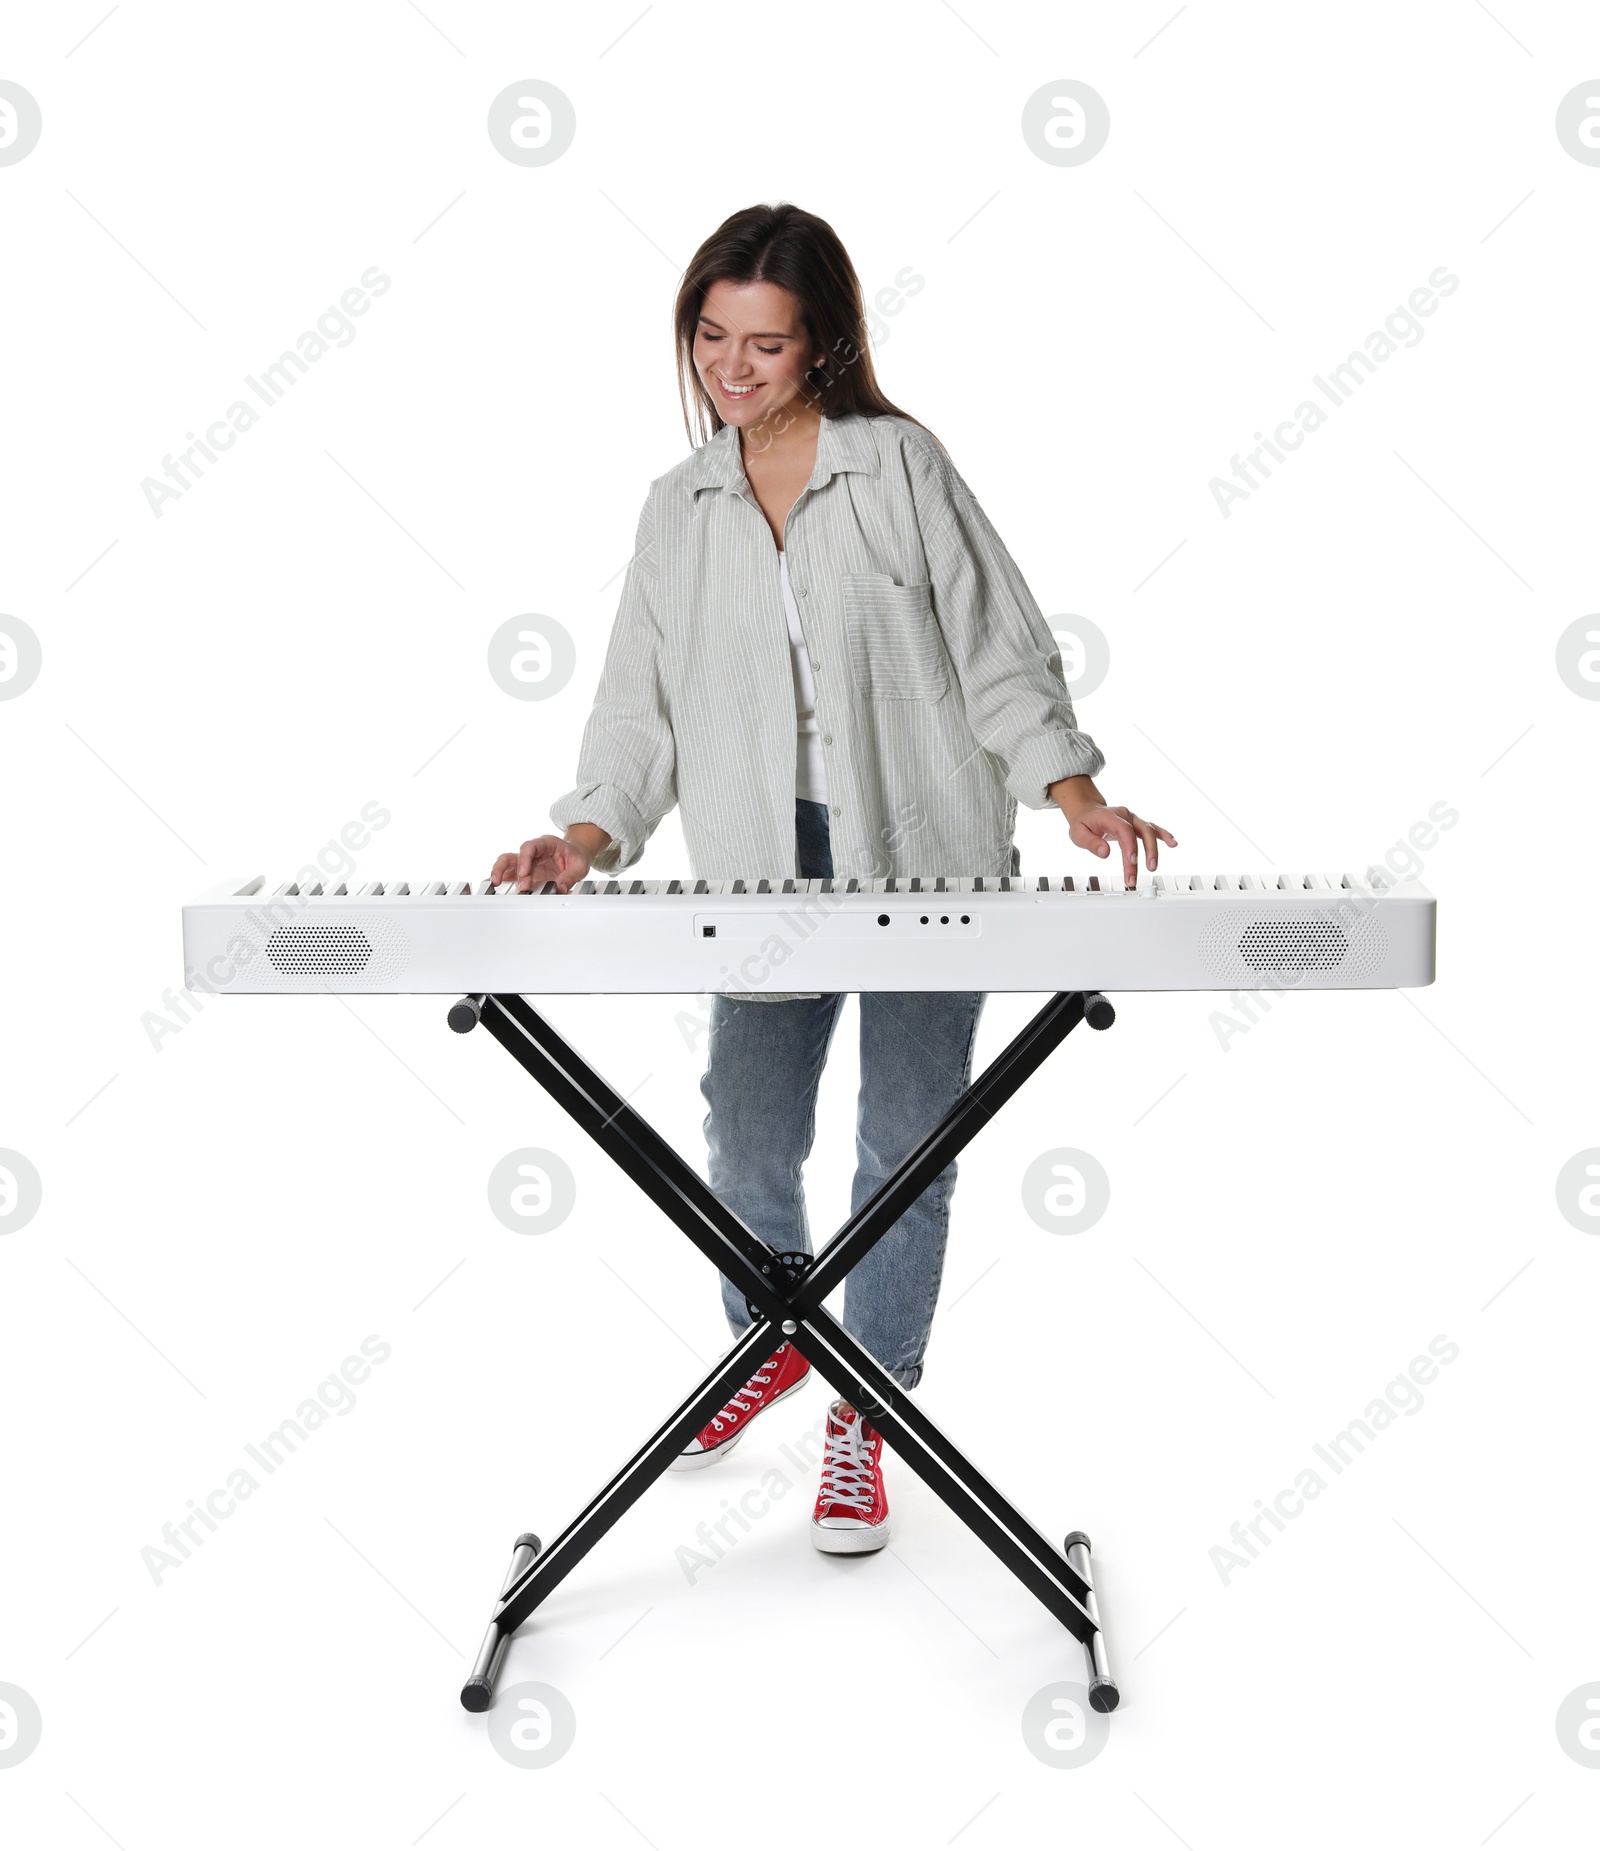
(896, 651)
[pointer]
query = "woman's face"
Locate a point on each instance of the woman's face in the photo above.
(751, 351)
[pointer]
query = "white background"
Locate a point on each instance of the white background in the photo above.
(225, 1218)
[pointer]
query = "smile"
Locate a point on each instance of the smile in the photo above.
(736, 391)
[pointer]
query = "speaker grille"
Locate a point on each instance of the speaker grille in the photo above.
(1342, 943)
(357, 956)
(325, 948)
(1293, 944)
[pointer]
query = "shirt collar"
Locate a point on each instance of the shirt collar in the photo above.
(842, 444)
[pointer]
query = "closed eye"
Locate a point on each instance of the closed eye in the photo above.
(712, 339)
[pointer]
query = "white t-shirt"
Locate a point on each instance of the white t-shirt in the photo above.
(811, 775)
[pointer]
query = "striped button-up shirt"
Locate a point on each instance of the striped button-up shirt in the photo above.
(938, 683)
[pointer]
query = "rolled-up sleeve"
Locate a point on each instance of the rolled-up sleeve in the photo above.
(1004, 655)
(627, 762)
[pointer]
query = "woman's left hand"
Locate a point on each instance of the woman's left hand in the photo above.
(1095, 824)
(1097, 828)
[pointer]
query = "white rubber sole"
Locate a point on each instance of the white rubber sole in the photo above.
(692, 1461)
(861, 1541)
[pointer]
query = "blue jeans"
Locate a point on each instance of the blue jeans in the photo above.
(764, 1061)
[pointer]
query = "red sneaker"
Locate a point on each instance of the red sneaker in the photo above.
(852, 1513)
(781, 1374)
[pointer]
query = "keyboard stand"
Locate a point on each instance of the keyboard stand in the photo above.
(785, 1293)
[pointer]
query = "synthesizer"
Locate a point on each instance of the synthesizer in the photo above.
(621, 936)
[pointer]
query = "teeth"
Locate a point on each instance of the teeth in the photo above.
(737, 391)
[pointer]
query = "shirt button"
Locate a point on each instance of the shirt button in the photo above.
(804, 592)
(827, 739)
(836, 809)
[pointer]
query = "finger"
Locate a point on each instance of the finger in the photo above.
(503, 864)
(1147, 835)
(1130, 853)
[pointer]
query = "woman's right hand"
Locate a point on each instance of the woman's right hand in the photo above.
(543, 858)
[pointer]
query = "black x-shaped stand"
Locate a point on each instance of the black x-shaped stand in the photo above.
(785, 1294)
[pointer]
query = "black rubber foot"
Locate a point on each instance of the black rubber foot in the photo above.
(527, 1540)
(463, 1017)
(478, 1693)
(1104, 1695)
(1097, 1011)
(1077, 1536)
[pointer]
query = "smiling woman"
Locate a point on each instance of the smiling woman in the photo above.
(827, 660)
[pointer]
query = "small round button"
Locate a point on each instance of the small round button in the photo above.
(827, 739)
(836, 810)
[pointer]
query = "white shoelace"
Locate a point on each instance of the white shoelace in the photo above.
(739, 1405)
(847, 1476)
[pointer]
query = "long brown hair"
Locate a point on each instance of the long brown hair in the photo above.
(801, 253)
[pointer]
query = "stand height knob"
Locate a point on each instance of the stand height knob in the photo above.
(465, 1015)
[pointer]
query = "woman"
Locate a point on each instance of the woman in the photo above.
(827, 659)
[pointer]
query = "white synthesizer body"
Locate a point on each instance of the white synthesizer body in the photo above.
(619, 936)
